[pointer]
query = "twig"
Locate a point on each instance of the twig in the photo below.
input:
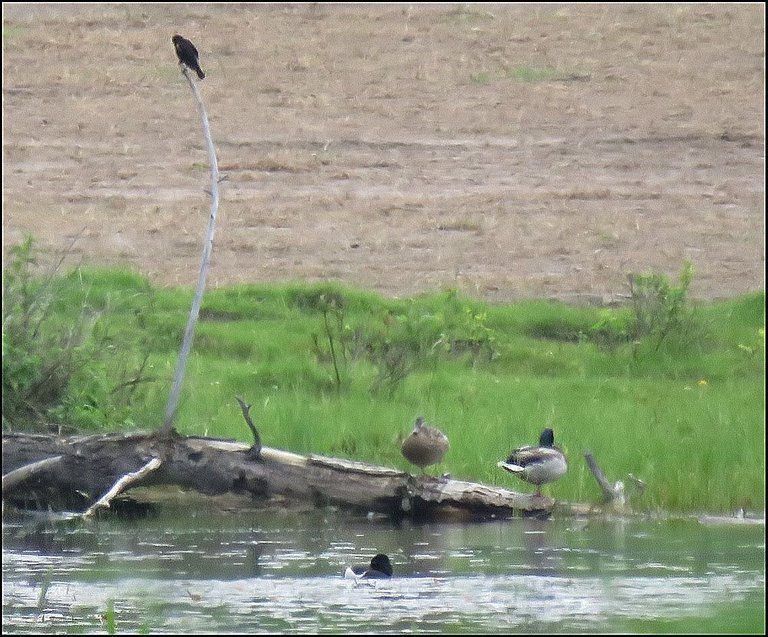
(186, 345)
(134, 382)
(121, 484)
(47, 284)
(255, 450)
(329, 333)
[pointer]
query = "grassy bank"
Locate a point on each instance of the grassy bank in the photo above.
(673, 395)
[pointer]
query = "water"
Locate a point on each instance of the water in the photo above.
(268, 571)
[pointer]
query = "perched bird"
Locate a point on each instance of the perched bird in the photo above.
(187, 54)
(425, 446)
(537, 465)
(379, 568)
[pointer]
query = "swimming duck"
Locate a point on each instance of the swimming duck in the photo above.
(425, 446)
(537, 465)
(379, 568)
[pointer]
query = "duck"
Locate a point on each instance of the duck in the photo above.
(379, 568)
(425, 445)
(537, 465)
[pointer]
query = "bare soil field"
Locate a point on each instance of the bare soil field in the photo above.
(509, 151)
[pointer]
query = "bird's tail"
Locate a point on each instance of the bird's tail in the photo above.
(200, 73)
(513, 468)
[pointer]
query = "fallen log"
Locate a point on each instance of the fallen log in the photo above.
(90, 465)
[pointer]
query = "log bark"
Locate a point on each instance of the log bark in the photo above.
(90, 465)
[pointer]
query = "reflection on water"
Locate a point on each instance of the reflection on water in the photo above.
(267, 571)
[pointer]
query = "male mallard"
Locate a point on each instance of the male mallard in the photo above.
(425, 446)
(379, 568)
(537, 465)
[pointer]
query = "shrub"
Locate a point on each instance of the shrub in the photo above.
(661, 310)
(659, 313)
(38, 360)
(61, 362)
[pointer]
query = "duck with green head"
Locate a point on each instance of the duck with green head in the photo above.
(537, 465)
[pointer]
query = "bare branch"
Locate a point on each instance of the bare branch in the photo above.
(613, 493)
(120, 485)
(254, 451)
(13, 478)
(186, 345)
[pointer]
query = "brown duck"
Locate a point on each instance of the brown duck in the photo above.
(425, 446)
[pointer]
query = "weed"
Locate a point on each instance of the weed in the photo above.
(611, 330)
(109, 618)
(42, 597)
(395, 347)
(526, 73)
(661, 310)
(757, 346)
(56, 348)
(337, 335)
(473, 335)
(38, 362)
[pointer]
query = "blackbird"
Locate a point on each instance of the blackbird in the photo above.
(187, 54)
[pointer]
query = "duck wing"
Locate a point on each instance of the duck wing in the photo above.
(527, 456)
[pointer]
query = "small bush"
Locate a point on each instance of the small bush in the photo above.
(333, 347)
(38, 360)
(61, 363)
(661, 310)
(659, 314)
(611, 329)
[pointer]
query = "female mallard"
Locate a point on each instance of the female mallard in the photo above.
(537, 465)
(425, 446)
(380, 568)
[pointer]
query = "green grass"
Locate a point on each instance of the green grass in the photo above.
(11, 33)
(481, 77)
(686, 416)
(528, 73)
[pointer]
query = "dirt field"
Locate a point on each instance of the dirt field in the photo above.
(505, 150)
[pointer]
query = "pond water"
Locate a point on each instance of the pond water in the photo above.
(272, 571)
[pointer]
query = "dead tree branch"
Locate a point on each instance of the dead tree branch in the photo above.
(613, 493)
(254, 451)
(186, 345)
(14, 478)
(121, 485)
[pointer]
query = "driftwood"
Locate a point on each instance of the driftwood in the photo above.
(104, 501)
(613, 492)
(24, 473)
(90, 465)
